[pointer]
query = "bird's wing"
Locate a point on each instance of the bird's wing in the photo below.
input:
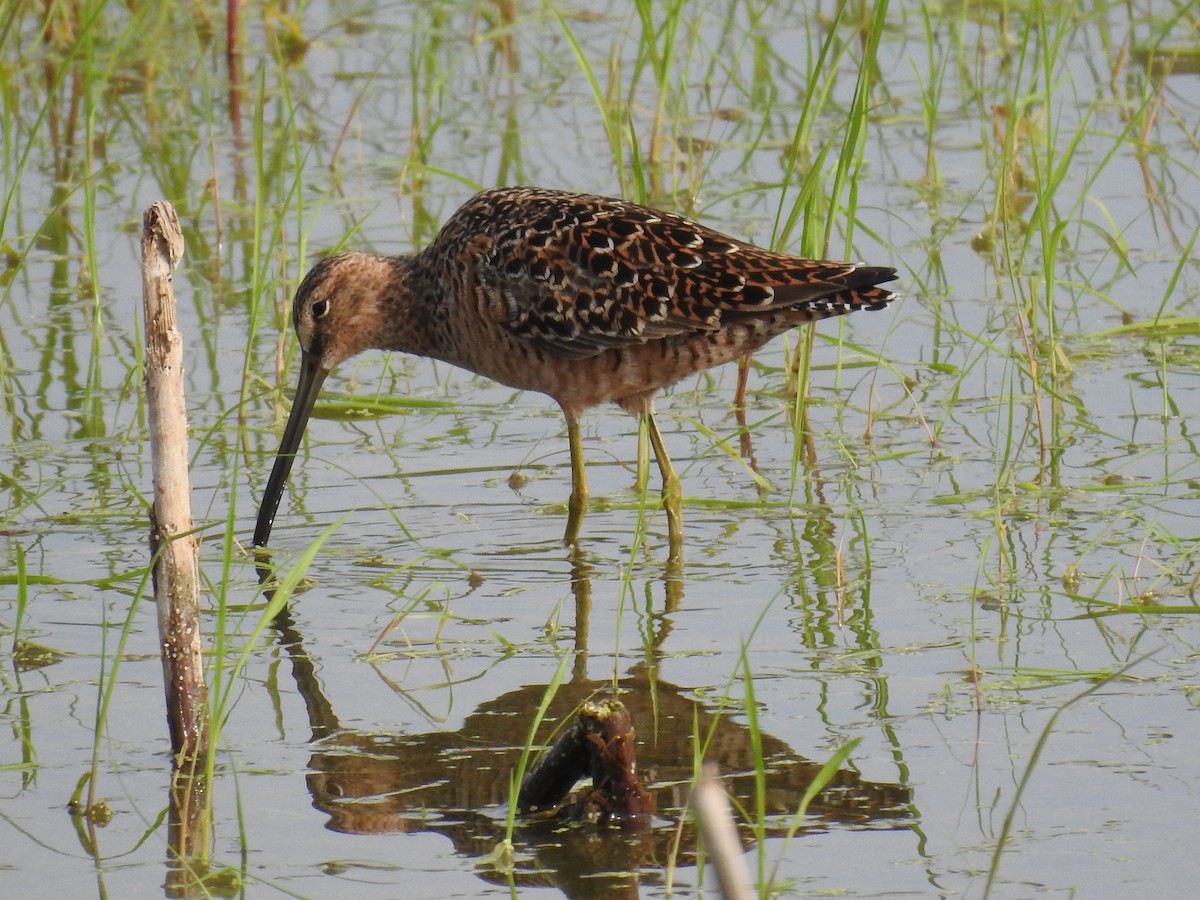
(576, 275)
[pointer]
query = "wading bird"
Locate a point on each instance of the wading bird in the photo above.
(586, 299)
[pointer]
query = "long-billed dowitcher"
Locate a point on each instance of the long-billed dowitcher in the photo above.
(583, 298)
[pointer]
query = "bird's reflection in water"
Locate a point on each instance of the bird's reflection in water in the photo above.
(456, 783)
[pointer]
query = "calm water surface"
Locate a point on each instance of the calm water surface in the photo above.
(925, 536)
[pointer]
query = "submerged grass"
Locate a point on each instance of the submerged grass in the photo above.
(1031, 767)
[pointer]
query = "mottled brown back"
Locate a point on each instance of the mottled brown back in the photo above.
(575, 274)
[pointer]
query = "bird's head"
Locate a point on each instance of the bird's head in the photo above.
(337, 311)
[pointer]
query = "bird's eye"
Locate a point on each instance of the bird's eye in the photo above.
(320, 309)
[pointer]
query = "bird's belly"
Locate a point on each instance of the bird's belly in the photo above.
(618, 374)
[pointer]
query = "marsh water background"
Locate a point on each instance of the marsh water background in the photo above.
(991, 506)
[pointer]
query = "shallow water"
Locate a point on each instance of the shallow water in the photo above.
(930, 583)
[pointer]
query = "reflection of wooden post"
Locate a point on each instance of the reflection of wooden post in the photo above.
(188, 830)
(172, 543)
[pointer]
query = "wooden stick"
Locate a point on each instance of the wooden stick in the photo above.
(720, 835)
(172, 540)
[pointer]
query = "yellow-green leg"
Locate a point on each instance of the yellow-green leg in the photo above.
(672, 493)
(578, 503)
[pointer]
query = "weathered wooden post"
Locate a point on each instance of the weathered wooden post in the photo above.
(172, 540)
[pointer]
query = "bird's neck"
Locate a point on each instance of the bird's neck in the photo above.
(408, 309)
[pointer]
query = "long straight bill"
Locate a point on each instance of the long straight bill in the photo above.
(312, 376)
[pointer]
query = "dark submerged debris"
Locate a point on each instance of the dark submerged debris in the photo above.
(599, 744)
